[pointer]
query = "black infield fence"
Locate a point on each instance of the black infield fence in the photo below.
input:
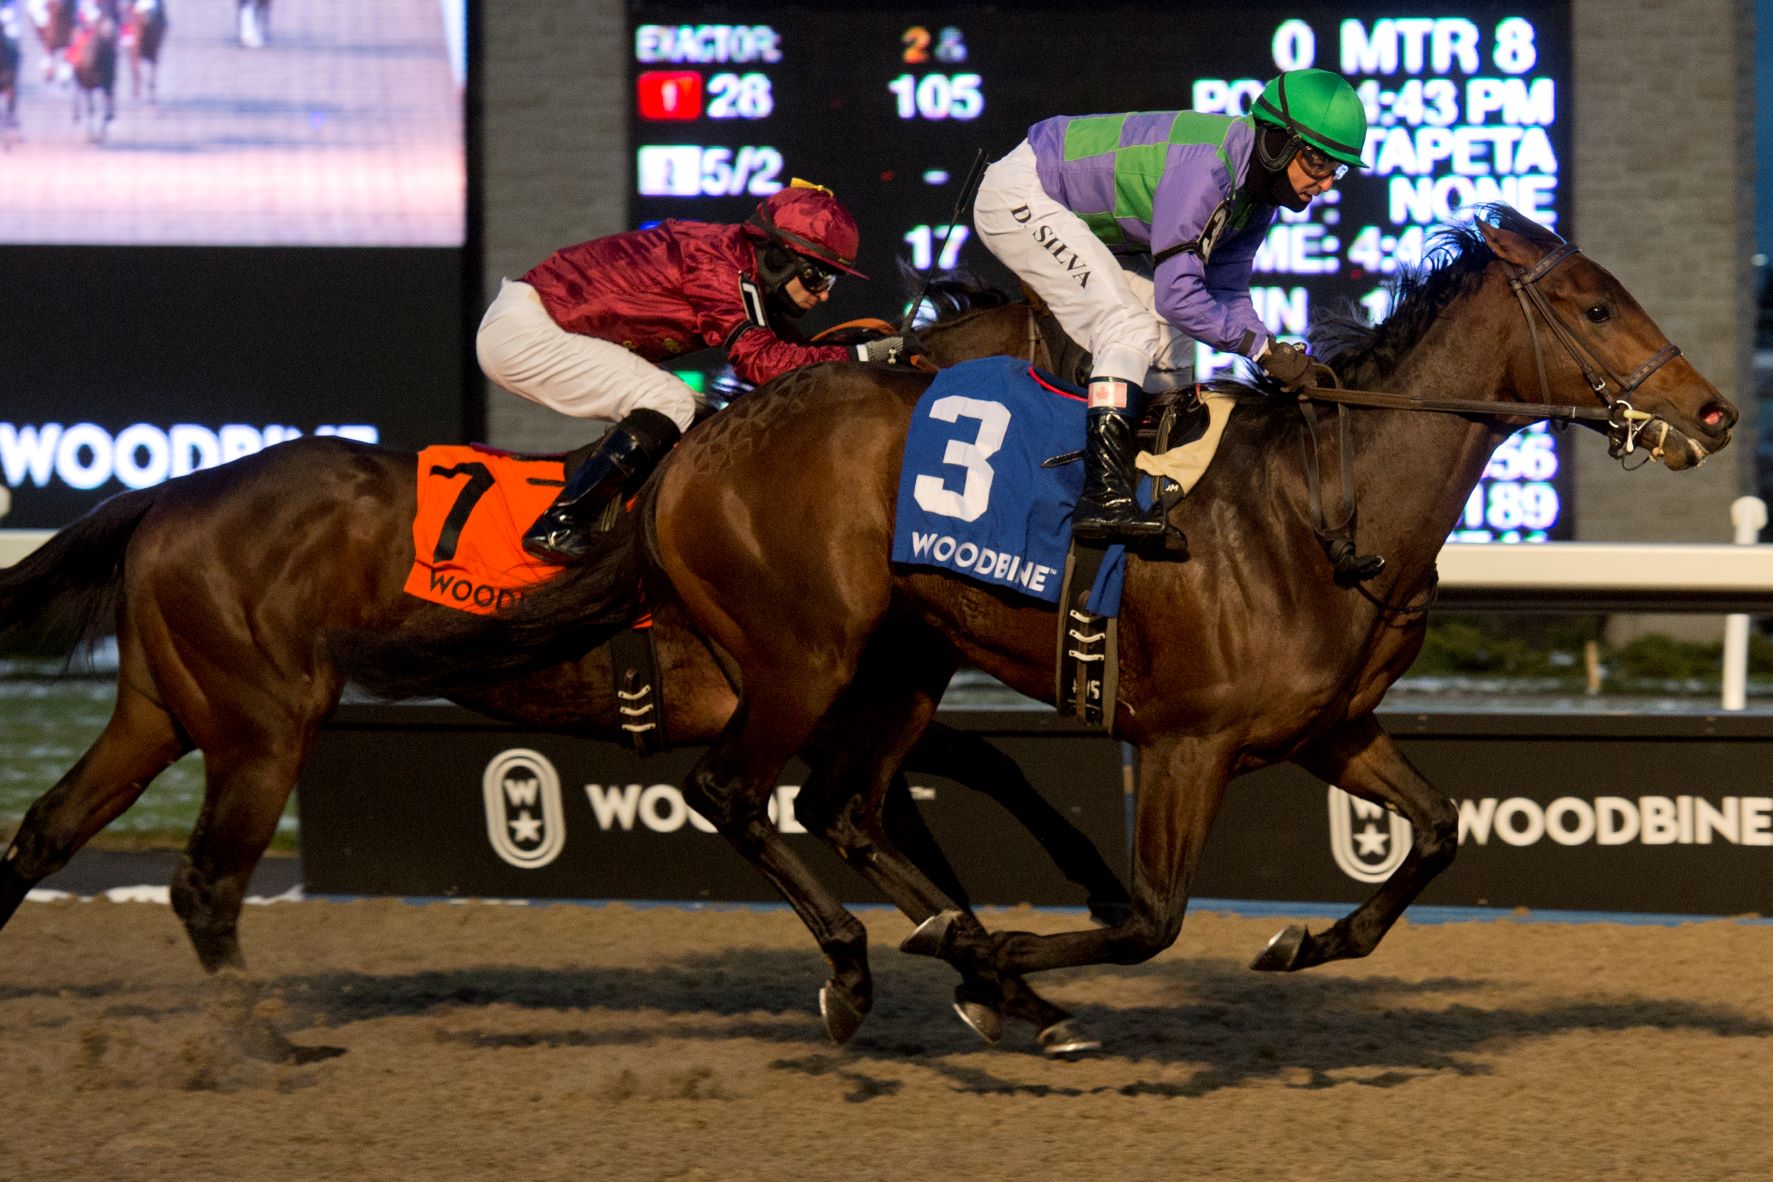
(1608, 812)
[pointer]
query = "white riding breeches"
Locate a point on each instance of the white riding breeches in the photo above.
(1105, 304)
(522, 350)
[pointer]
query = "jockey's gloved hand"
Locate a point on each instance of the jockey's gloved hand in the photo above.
(1286, 363)
(896, 349)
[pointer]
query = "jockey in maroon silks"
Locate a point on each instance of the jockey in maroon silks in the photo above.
(582, 332)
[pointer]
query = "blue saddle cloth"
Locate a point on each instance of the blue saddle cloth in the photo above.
(973, 498)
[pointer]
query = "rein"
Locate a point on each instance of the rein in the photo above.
(1624, 421)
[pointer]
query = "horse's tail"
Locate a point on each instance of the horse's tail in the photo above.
(444, 653)
(63, 596)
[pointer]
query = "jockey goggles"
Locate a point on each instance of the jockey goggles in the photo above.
(812, 276)
(1319, 166)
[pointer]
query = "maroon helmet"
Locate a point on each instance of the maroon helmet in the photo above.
(807, 220)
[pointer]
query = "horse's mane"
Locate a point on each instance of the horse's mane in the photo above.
(1361, 354)
(1365, 354)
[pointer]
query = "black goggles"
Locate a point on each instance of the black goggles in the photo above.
(814, 277)
(1320, 167)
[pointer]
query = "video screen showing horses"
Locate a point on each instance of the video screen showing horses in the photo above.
(232, 122)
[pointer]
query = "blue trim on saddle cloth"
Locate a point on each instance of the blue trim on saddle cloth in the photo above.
(973, 498)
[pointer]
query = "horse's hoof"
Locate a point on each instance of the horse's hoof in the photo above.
(1286, 952)
(259, 1040)
(1066, 1037)
(986, 1022)
(930, 938)
(843, 1016)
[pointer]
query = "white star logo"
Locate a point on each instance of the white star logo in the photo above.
(1370, 840)
(526, 828)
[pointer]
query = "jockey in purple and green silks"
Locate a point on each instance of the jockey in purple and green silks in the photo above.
(1140, 231)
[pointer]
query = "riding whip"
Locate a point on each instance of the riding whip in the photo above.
(975, 174)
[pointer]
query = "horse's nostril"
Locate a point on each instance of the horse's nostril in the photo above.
(1715, 416)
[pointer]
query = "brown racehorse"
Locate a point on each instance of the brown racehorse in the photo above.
(221, 584)
(1246, 654)
(55, 31)
(93, 53)
(144, 30)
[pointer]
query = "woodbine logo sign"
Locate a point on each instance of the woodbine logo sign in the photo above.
(88, 456)
(526, 816)
(1368, 842)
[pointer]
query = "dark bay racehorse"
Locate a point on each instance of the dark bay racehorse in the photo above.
(93, 53)
(221, 585)
(1247, 654)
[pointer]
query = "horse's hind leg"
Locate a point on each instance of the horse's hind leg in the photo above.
(729, 787)
(247, 785)
(1360, 758)
(850, 802)
(138, 742)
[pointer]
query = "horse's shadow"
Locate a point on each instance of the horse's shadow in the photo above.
(1236, 1026)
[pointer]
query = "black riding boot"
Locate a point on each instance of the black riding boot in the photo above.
(567, 531)
(1107, 511)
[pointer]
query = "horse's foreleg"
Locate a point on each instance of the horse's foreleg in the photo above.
(970, 760)
(1181, 783)
(1360, 758)
(730, 786)
(138, 742)
(980, 996)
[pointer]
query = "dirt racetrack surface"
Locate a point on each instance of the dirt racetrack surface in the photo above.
(613, 1042)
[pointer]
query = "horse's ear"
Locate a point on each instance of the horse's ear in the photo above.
(1512, 246)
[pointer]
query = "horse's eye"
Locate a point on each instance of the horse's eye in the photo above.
(1597, 313)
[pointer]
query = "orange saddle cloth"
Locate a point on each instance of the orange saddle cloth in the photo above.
(474, 505)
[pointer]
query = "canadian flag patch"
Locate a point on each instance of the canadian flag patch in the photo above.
(1108, 393)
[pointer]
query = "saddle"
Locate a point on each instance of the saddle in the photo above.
(1087, 669)
(473, 505)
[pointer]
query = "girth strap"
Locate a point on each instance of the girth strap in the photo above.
(639, 705)
(1088, 665)
(1337, 541)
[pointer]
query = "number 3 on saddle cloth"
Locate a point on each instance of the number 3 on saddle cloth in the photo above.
(474, 503)
(975, 500)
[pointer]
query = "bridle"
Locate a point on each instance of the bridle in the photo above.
(1625, 423)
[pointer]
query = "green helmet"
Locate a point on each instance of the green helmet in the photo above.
(1320, 108)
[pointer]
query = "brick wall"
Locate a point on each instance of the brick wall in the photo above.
(1663, 175)
(554, 161)
(1664, 198)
